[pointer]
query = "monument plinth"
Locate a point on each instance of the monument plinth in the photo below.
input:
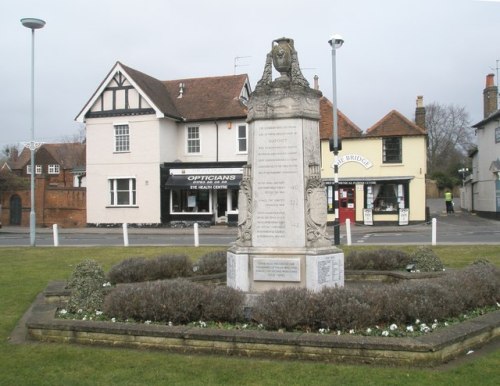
(282, 239)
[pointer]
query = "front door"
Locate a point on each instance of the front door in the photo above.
(15, 210)
(347, 200)
(221, 206)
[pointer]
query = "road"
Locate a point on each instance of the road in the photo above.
(458, 228)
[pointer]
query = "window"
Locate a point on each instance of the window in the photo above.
(54, 169)
(386, 196)
(122, 138)
(192, 201)
(497, 135)
(392, 150)
(38, 169)
(193, 139)
(122, 192)
(242, 138)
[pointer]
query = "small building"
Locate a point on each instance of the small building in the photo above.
(482, 187)
(381, 172)
(59, 186)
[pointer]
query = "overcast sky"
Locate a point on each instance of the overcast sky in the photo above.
(394, 50)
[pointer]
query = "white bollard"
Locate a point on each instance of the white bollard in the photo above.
(55, 231)
(434, 221)
(125, 234)
(348, 231)
(196, 236)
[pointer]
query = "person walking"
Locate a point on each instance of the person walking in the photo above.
(448, 199)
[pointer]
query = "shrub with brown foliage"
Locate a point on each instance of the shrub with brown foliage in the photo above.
(286, 308)
(176, 301)
(211, 263)
(426, 260)
(224, 304)
(139, 269)
(379, 260)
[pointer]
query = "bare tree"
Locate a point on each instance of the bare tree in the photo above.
(449, 136)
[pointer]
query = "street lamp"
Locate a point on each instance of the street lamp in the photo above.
(463, 171)
(32, 24)
(335, 42)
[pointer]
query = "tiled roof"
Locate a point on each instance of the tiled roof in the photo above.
(67, 155)
(209, 98)
(347, 129)
(394, 124)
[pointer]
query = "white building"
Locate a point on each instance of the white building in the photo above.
(147, 140)
(482, 190)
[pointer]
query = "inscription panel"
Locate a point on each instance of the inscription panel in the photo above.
(278, 184)
(269, 269)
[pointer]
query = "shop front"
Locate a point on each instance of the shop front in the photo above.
(201, 192)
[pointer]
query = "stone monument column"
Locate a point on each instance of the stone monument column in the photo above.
(282, 239)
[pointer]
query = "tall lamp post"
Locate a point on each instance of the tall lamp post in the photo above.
(335, 42)
(32, 24)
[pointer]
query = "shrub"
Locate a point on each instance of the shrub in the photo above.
(285, 308)
(212, 262)
(224, 304)
(426, 260)
(138, 269)
(86, 284)
(338, 308)
(176, 301)
(381, 259)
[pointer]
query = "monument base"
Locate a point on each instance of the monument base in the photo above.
(256, 270)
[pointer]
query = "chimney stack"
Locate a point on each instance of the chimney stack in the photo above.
(420, 112)
(316, 83)
(490, 96)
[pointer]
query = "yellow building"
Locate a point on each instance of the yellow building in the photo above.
(381, 171)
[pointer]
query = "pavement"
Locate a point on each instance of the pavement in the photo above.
(437, 209)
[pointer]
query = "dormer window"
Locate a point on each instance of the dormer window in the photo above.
(54, 169)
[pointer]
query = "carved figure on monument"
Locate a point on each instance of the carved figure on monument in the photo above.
(245, 209)
(315, 210)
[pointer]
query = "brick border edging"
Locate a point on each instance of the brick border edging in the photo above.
(426, 350)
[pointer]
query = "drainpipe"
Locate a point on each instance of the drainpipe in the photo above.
(216, 141)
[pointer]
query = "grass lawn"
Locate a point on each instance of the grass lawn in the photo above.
(25, 272)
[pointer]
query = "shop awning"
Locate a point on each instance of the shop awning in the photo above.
(204, 181)
(366, 180)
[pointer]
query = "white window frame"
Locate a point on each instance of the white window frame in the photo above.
(54, 169)
(113, 192)
(188, 140)
(121, 140)
(38, 169)
(238, 139)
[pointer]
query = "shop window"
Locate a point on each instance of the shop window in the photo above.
(193, 201)
(233, 193)
(122, 138)
(386, 197)
(122, 191)
(193, 139)
(392, 150)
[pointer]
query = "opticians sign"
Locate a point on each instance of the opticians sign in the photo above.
(354, 158)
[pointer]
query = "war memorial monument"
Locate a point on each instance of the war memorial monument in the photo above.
(282, 239)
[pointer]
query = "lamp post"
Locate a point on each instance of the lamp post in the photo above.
(335, 42)
(33, 24)
(463, 171)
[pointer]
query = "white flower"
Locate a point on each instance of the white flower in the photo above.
(170, 324)
(434, 326)
(368, 330)
(244, 326)
(339, 332)
(113, 320)
(85, 317)
(147, 322)
(446, 323)
(351, 331)
(324, 330)
(393, 327)
(63, 312)
(409, 328)
(498, 304)
(98, 313)
(80, 311)
(470, 352)
(202, 324)
(260, 326)
(107, 284)
(417, 321)
(385, 333)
